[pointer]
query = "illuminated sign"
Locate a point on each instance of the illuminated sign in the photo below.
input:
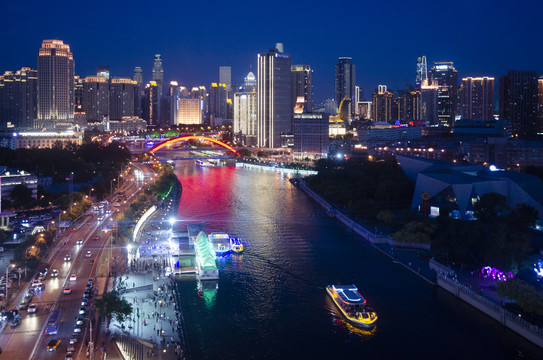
(442, 67)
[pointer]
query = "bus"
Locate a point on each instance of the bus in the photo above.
(53, 322)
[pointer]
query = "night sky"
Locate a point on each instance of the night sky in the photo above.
(195, 37)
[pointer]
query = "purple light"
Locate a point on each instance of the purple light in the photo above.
(496, 274)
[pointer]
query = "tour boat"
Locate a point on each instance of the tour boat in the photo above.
(203, 163)
(236, 245)
(352, 304)
(220, 242)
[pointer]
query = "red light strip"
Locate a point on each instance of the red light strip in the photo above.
(190, 137)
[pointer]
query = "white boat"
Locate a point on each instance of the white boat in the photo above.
(203, 163)
(220, 242)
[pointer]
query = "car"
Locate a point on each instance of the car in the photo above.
(116, 204)
(96, 238)
(82, 310)
(36, 283)
(54, 273)
(67, 291)
(70, 348)
(87, 294)
(92, 261)
(88, 254)
(28, 297)
(73, 277)
(73, 339)
(84, 302)
(77, 329)
(69, 356)
(41, 277)
(91, 281)
(16, 321)
(79, 242)
(67, 257)
(79, 320)
(52, 345)
(100, 218)
(23, 305)
(32, 309)
(43, 271)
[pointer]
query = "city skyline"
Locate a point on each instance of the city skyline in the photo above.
(193, 57)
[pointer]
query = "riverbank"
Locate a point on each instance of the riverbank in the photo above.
(446, 278)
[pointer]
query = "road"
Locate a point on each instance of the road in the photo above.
(27, 341)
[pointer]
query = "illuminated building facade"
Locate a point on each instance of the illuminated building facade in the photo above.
(422, 71)
(96, 98)
(189, 112)
(225, 76)
(121, 95)
(446, 77)
(138, 91)
(540, 103)
(302, 88)
(310, 136)
(364, 109)
(519, 102)
(18, 98)
(55, 83)
(151, 104)
(408, 106)
(245, 117)
(158, 74)
(218, 95)
(78, 93)
(382, 105)
(428, 102)
(478, 98)
(46, 139)
(9, 178)
(274, 97)
(103, 71)
(345, 80)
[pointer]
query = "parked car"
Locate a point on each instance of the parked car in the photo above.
(52, 345)
(16, 321)
(32, 309)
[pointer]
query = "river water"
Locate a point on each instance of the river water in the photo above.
(270, 302)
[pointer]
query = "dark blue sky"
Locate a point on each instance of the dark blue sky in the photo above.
(194, 37)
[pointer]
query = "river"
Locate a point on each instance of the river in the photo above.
(270, 302)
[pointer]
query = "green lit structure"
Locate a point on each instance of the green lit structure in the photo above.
(205, 257)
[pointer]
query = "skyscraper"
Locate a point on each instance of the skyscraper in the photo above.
(225, 76)
(428, 102)
(96, 98)
(250, 82)
(158, 74)
(151, 104)
(19, 98)
(345, 81)
(245, 112)
(138, 91)
(447, 91)
(422, 71)
(519, 102)
(478, 98)
(218, 95)
(540, 102)
(103, 71)
(302, 87)
(174, 94)
(274, 97)
(189, 112)
(55, 83)
(382, 104)
(121, 98)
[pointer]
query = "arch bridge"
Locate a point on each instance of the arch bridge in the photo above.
(192, 137)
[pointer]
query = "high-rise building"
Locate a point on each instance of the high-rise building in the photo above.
(478, 98)
(103, 71)
(250, 82)
(55, 84)
(447, 91)
(245, 116)
(356, 100)
(408, 106)
(151, 104)
(19, 98)
(428, 102)
(274, 97)
(310, 136)
(345, 81)
(540, 102)
(96, 98)
(218, 95)
(225, 76)
(382, 104)
(422, 71)
(189, 112)
(364, 110)
(519, 102)
(78, 93)
(138, 91)
(121, 98)
(302, 88)
(174, 94)
(158, 74)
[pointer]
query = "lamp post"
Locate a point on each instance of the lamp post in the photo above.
(91, 190)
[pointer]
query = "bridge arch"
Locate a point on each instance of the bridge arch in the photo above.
(191, 137)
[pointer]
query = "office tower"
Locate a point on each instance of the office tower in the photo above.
(250, 82)
(310, 136)
(422, 71)
(408, 106)
(138, 91)
(364, 110)
(55, 84)
(428, 102)
(245, 113)
(274, 97)
(519, 102)
(78, 93)
(103, 71)
(218, 95)
(356, 100)
(96, 98)
(330, 107)
(382, 104)
(150, 104)
(540, 103)
(225, 76)
(447, 91)
(345, 81)
(189, 112)
(302, 88)
(158, 74)
(174, 94)
(121, 98)
(19, 98)
(478, 98)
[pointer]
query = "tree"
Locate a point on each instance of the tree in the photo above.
(112, 305)
(21, 196)
(244, 152)
(490, 207)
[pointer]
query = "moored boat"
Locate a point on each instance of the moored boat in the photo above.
(203, 163)
(236, 245)
(220, 242)
(353, 306)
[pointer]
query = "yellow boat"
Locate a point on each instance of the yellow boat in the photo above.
(352, 304)
(236, 245)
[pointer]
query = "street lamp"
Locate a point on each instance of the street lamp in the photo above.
(59, 215)
(91, 190)
(111, 186)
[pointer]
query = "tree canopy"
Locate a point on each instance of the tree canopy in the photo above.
(112, 305)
